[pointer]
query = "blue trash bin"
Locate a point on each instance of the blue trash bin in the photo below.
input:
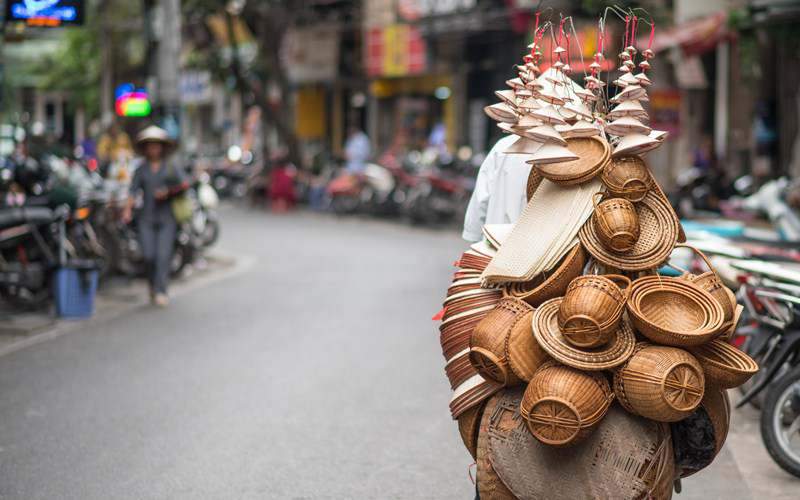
(75, 287)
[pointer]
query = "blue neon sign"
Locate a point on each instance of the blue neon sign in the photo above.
(45, 12)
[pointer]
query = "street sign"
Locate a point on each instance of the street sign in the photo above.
(45, 13)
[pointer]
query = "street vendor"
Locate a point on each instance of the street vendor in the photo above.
(500, 190)
(159, 184)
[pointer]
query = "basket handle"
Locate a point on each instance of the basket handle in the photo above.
(587, 318)
(626, 290)
(698, 252)
(594, 198)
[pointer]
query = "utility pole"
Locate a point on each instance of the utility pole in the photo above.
(164, 33)
(106, 69)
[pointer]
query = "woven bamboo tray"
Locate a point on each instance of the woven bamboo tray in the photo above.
(724, 365)
(593, 154)
(553, 342)
(562, 405)
(661, 383)
(659, 231)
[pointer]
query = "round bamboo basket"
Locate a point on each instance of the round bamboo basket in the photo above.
(627, 177)
(592, 308)
(665, 384)
(553, 284)
(616, 223)
(712, 283)
(488, 343)
(673, 311)
(724, 365)
(562, 405)
(524, 354)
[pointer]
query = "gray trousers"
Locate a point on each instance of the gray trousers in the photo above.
(157, 240)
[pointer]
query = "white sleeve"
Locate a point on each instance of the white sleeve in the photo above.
(475, 217)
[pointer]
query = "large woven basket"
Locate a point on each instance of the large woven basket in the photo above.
(554, 283)
(488, 343)
(712, 283)
(661, 383)
(592, 308)
(626, 458)
(724, 365)
(562, 405)
(490, 486)
(673, 311)
(627, 177)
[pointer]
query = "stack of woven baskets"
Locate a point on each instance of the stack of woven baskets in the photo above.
(601, 341)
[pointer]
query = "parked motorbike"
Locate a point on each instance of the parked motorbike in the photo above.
(367, 192)
(441, 193)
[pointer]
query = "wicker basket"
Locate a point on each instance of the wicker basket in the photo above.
(616, 223)
(712, 283)
(524, 354)
(673, 311)
(562, 405)
(592, 308)
(554, 284)
(665, 384)
(488, 343)
(724, 365)
(627, 177)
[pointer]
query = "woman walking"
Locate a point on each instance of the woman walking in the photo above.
(158, 184)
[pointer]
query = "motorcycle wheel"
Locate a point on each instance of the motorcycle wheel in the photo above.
(210, 232)
(344, 205)
(23, 299)
(780, 422)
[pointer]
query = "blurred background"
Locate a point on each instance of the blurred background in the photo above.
(283, 111)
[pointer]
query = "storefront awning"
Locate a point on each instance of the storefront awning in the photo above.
(695, 36)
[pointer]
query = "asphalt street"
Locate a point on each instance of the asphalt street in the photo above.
(312, 370)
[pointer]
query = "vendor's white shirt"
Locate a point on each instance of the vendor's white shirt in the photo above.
(500, 190)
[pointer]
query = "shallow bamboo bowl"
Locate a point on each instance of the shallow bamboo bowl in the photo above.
(617, 224)
(553, 284)
(674, 311)
(562, 405)
(627, 177)
(724, 365)
(488, 343)
(592, 308)
(661, 383)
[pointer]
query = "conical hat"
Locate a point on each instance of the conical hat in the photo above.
(659, 135)
(642, 79)
(550, 96)
(549, 114)
(508, 96)
(581, 128)
(528, 121)
(630, 92)
(546, 133)
(529, 103)
(627, 125)
(501, 112)
(524, 146)
(552, 153)
(625, 80)
(515, 83)
(635, 143)
(579, 108)
(629, 108)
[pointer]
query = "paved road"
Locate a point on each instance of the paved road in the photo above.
(313, 373)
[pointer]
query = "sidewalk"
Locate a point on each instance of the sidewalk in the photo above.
(21, 329)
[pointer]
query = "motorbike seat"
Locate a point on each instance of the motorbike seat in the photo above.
(10, 217)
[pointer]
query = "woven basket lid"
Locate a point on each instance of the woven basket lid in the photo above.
(550, 338)
(626, 458)
(592, 154)
(659, 231)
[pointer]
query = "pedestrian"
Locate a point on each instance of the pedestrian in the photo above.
(281, 186)
(357, 151)
(500, 190)
(159, 184)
